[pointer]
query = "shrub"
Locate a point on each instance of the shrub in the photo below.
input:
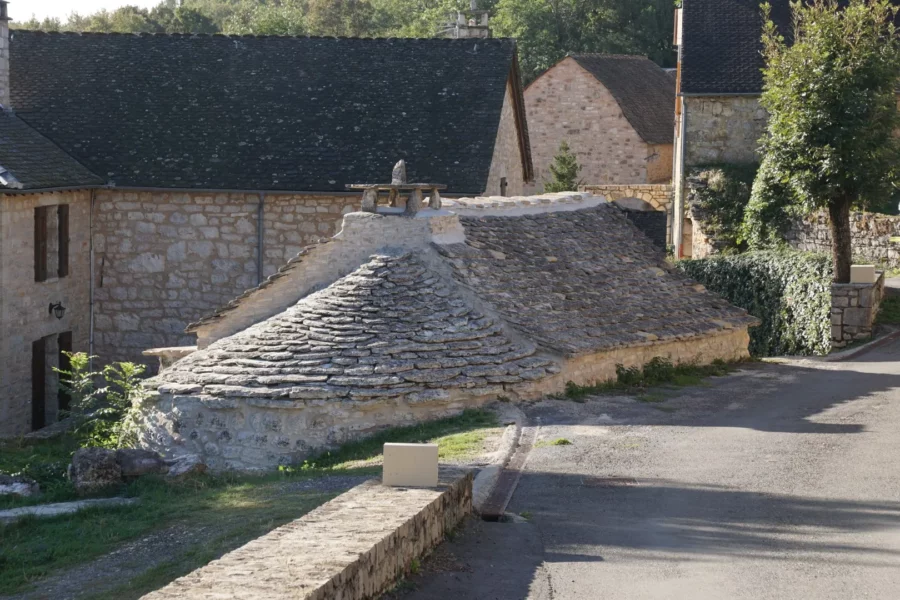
(564, 171)
(105, 416)
(789, 291)
(768, 215)
(719, 194)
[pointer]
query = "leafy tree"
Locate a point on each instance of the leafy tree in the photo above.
(275, 18)
(833, 110)
(564, 171)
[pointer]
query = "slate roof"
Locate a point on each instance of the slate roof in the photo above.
(583, 281)
(266, 113)
(29, 161)
(393, 328)
(644, 91)
(722, 44)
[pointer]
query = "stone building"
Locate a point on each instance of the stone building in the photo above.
(403, 318)
(615, 112)
(205, 162)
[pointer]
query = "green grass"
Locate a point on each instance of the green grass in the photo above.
(240, 508)
(556, 442)
(889, 313)
(458, 438)
(657, 372)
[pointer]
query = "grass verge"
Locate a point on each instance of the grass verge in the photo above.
(657, 372)
(889, 313)
(236, 508)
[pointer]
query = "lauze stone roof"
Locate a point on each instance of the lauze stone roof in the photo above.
(393, 328)
(29, 161)
(266, 113)
(584, 281)
(643, 90)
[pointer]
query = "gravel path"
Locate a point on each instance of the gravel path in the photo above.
(780, 481)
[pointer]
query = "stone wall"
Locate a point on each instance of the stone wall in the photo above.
(872, 236)
(854, 307)
(351, 548)
(24, 303)
(659, 168)
(658, 196)
(166, 259)
(507, 159)
(568, 104)
(723, 129)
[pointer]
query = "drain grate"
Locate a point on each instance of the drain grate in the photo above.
(608, 482)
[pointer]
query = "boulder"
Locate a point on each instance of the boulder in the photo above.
(17, 485)
(135, 462)
(93, 469)
(183, 466)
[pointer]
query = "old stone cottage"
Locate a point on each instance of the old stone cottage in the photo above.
(402, 318)
(615, 112)
(179, 170)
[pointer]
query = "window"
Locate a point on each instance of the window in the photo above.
(503, 186)
(51, 241)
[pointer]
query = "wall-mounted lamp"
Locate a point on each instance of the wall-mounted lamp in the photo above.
(57, 309)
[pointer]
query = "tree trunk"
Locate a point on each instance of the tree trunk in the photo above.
(841, 249)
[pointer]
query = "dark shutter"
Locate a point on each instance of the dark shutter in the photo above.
(40, 243)
(65, 346)
(38, 384)
(62, 212)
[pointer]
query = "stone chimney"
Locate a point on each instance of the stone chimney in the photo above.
(472, 23)
(4, 55)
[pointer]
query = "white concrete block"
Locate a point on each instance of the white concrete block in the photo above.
(862, 274)
(410, 465)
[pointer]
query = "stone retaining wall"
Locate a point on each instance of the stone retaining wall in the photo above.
(351, 548)
(854, 307)
(871, 233)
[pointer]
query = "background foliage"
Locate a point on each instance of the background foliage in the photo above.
(789, 291)
(718, 195)
(546, 29)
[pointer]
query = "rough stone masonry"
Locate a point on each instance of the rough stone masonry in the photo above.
(444, 310)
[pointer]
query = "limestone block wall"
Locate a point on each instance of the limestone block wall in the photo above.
(24, 315)
(658, 196)
(871, 235)
(568, 104)
(165, 259)
(351, 548)
(507, 159)
(723, 129)
(854, 307)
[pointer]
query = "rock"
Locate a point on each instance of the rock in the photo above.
(135, 462)
(93, 469)
(184, 466)
(18, 486)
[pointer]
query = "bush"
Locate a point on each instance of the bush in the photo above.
(768, 215)
(789, 291)
(564, 171)
(719, 194)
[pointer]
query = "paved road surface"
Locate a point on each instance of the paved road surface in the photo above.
(781, 481)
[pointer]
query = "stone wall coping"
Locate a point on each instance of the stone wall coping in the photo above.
(643, 187)
(858, 286)
(353, 547)
(511, 206)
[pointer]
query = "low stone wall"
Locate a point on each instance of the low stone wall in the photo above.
(352, 548)
(871, 236)
(658, 196)
(854, 307)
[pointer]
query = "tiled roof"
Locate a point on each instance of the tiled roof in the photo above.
(722, 44)
(394, 328)
(583, 281)
(644, 91)
(29, 161)
(266, 113)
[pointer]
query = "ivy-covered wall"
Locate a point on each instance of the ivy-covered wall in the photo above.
(789, 291)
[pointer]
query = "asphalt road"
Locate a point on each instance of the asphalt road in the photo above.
(780, 481)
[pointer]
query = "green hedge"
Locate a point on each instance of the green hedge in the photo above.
(789, 291)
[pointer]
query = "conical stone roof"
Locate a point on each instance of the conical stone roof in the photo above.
(394, 328)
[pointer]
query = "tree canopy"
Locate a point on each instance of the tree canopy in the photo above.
(546, 29)
(831, 96)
